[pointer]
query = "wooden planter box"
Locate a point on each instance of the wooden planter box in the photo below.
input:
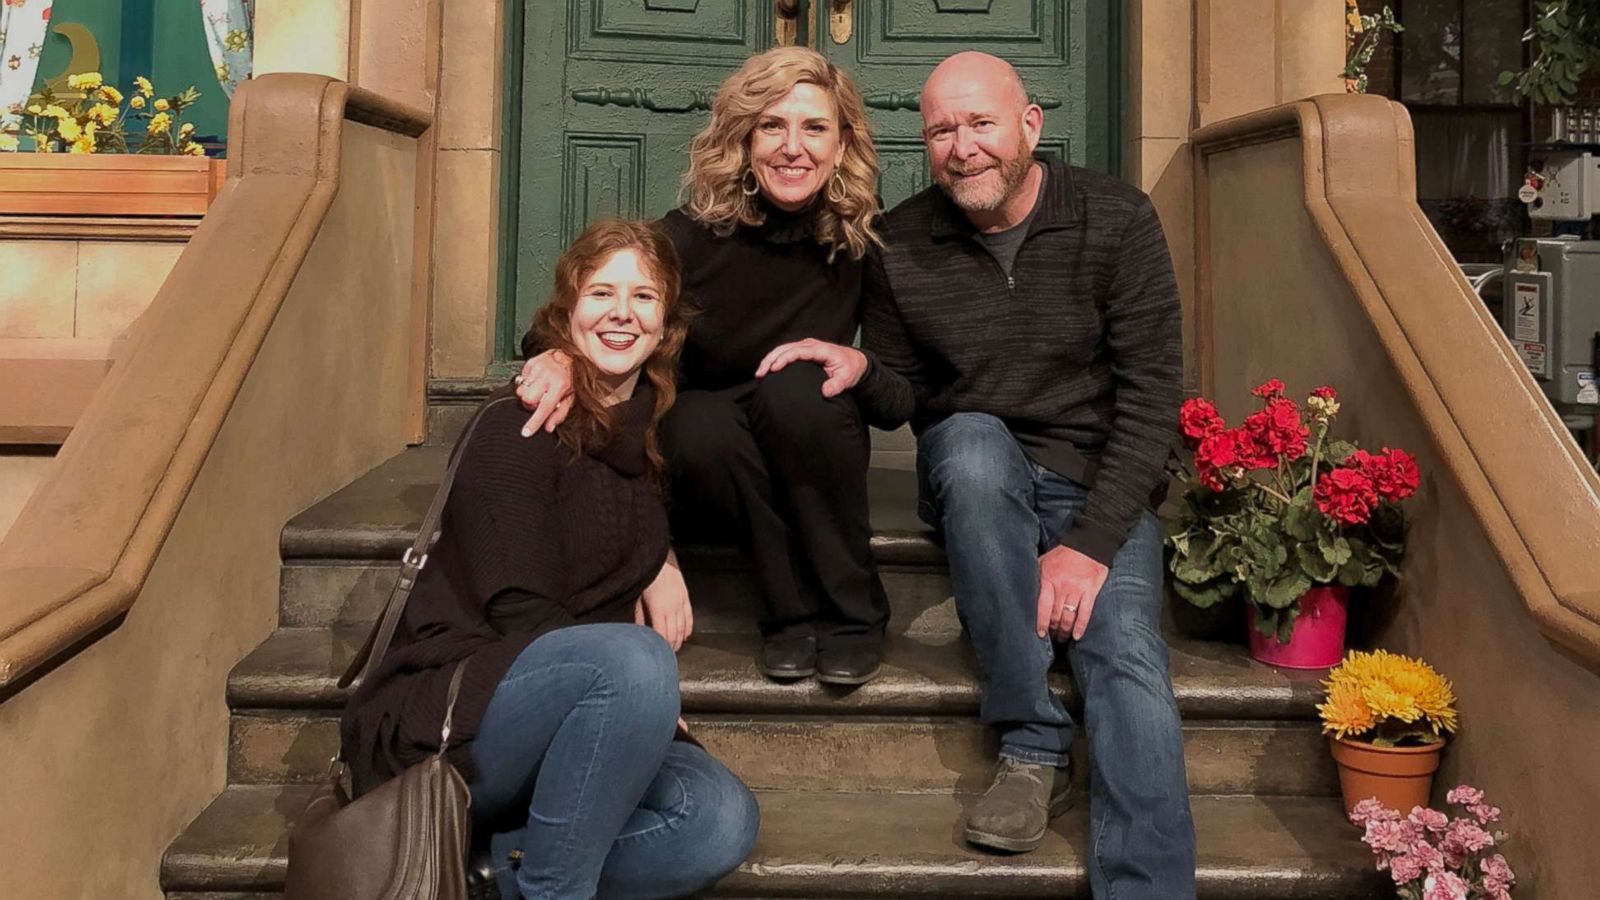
(107, 184)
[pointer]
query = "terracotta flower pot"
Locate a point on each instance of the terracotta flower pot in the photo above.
(1400, 777)
(1317, 641)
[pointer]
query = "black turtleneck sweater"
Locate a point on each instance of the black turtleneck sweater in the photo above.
(533, 539)
(752, 290)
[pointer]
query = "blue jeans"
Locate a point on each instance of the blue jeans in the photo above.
(578, 770)
(999, 511)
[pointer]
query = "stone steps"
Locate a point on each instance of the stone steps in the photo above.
(861, 789)
(822, 844)
(856, 755)
(296, 668)
(377, 516)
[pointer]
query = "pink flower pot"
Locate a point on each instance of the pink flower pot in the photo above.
(1318, 638)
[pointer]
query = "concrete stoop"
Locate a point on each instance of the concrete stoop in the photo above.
(861, 790)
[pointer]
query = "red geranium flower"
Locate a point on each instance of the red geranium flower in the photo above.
(1346, 495)
(1326, 393)
(1200, 420)
(1393, 473)
(1216, 453)
(1276, 430)
(1272, 388)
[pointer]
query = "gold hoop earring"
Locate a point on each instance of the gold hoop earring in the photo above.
(754, 186)
(843, 192)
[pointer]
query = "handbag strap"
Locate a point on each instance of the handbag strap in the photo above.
(416, 556)
(450, 703)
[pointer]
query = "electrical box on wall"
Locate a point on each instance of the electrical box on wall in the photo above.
(1565, 187)
(1552, 315)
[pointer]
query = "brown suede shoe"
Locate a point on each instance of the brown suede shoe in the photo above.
(1016, 810)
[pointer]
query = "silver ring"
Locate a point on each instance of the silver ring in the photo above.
(1071, 609)
(517, 380)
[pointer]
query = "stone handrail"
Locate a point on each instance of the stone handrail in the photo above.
(1525, 479)
(79, 552)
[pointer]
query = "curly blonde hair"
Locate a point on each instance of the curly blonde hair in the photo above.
(720, 153)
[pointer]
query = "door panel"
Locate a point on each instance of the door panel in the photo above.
(612, 91)
(894, 44)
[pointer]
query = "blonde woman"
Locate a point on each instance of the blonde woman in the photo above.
(781, 204)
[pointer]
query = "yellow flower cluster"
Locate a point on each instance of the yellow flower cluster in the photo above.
(1370, 690)
(88, 81)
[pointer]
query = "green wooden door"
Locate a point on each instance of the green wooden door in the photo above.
(892, 45)
(609, 92)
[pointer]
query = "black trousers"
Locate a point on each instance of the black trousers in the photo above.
(785, 469)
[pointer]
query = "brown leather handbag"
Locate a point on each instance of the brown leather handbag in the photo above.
(407, 838)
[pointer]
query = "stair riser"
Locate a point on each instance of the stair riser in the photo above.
(352, 592)
(860, 756)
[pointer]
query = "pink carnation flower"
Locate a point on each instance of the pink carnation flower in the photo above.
(1389, 837)
(1497, 874)
(1466, 795)
(1370, 809)
(1405, 869)
(1444, 886)
(1430, 819)
(1485, 813)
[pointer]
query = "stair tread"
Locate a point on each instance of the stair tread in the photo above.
(899, 845)
(377, 515)
(922, 675)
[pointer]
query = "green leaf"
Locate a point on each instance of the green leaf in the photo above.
(1336, 549)
(1205, 596)
(1507, 77)
(1286, 624)
(1315, 564)
(1287, 588)
(1338, 451)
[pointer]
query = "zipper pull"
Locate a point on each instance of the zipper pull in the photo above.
(1011, 283)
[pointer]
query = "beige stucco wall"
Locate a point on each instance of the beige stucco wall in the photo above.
(20, 472)
(112, 753)
(1528, 720)
(1194, 62)
(79, 288)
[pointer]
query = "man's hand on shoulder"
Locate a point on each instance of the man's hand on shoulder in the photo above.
(1069, 584)
(844, 366)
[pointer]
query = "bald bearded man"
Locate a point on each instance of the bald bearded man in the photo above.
(1024, 318)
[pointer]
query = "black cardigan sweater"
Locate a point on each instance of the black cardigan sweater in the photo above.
(533, 539)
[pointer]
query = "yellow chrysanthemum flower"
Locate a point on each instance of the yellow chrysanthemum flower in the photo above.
(110, 94)
(188, 128)
(103, 113)
(69, 129)
(137, 102)
(159, 123)
(9, 142)
(1346, 712)
(1367, 690)
(55, 110)
(162, 105)
(35, 110)
(88, 81)
(144, 85)
(84, 144)
(195, 150)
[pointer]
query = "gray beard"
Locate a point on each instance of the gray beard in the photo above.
(977, 198)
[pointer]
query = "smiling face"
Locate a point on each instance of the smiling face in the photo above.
(617, 319)
(796, 145)
(980, 131)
